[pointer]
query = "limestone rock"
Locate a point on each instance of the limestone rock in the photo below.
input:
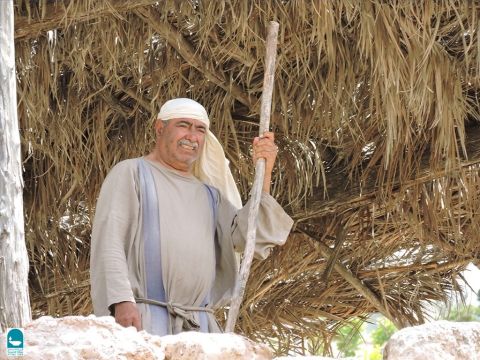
(192, 346)
(440, 340)
(77, 337)
(99, 338)
(312, 357)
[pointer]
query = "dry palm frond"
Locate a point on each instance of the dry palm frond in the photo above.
(375, 108)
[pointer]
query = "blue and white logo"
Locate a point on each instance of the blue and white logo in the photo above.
(15, 342)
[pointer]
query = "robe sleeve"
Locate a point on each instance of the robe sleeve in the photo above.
(114, 227)
(273, 226)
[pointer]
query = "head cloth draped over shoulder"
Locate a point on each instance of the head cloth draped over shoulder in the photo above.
(211, 167)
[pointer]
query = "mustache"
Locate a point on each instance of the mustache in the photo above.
(188, 143)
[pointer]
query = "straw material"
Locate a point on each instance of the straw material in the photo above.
(376, 112)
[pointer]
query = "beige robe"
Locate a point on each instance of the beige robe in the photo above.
(193, 264)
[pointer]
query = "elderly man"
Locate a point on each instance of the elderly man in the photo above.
(166, 226)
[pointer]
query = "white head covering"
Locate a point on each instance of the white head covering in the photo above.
(211, 167)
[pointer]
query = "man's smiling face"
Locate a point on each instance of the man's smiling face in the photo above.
(180, 142)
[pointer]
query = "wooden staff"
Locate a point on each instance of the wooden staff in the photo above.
(238, 291)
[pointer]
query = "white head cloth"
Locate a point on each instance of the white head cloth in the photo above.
(211, 167)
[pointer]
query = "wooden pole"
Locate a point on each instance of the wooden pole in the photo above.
(239, 290)
(14, 298)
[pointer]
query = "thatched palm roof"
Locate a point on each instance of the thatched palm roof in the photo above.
(376, 111)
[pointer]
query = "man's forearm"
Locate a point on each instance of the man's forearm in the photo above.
(267, 180)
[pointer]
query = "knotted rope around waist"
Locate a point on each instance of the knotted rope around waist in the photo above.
(173, 307)
(182, 313)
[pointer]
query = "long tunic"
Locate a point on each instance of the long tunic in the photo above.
(195, 263)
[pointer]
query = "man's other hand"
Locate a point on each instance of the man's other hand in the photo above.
(127, 314)
(264, 147)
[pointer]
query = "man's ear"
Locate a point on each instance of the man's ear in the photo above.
(159, 127)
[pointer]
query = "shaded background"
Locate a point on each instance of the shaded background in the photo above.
(376, 112)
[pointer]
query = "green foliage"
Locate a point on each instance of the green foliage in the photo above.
(383, 332)
(376, 353)
(463, 313)
(349, 337)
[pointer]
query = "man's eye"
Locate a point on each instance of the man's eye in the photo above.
(202, 130)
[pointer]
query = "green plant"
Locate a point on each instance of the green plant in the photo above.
(376, 353)
(349, 337)
(463, 313)
(383, 332)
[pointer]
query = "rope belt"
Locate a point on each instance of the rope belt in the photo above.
(173, 307)
(183, 314)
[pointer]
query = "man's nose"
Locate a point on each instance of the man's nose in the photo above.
(192, 135)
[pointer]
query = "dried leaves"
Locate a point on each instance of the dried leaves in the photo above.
(376, 108)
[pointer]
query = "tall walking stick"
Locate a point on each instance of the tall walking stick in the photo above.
(241, 283)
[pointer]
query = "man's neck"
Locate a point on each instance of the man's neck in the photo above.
(158, 159)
